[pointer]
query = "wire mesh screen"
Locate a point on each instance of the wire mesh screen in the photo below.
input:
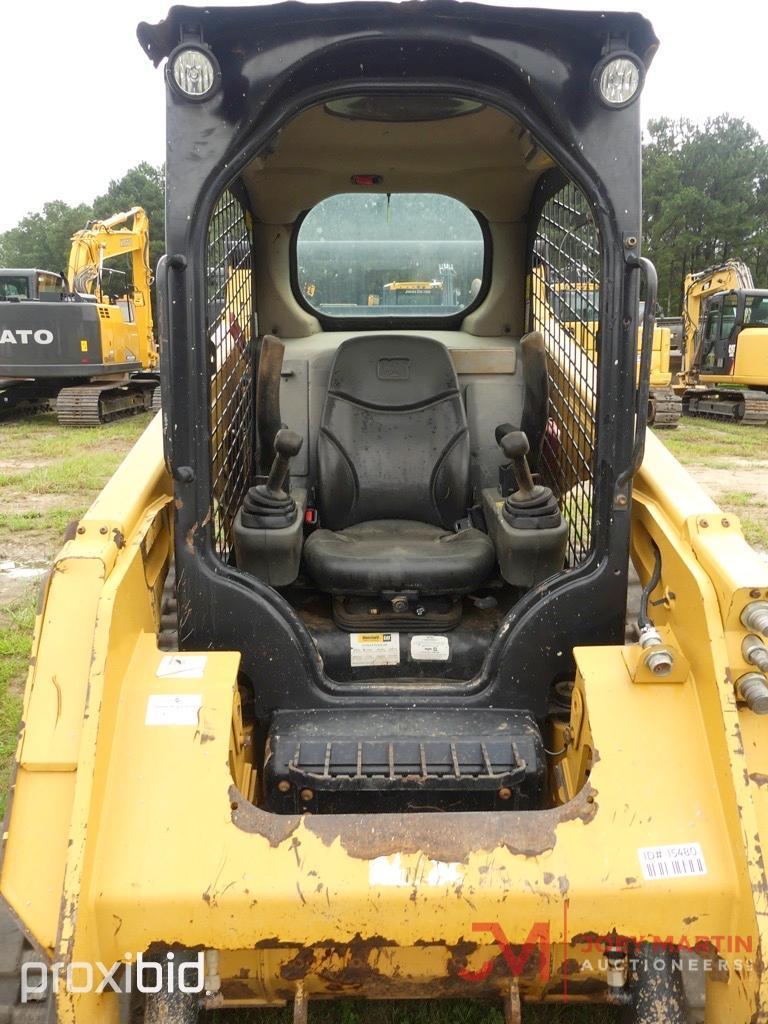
(564, 304)
(231, 348)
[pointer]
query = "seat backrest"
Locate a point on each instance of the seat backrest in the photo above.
(393, 440)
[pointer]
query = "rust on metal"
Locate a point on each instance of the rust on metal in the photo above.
(447, 837)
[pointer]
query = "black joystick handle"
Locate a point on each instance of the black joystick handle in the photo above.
(515, 447)
(287, 445)
(269, 506)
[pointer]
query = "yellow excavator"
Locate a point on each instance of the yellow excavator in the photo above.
(725, 345)
(85, 340)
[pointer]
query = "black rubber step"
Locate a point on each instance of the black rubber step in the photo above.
(349, 761)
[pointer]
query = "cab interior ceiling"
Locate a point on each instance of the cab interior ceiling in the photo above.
(484, 158)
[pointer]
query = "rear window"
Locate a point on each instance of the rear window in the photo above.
(409, 255)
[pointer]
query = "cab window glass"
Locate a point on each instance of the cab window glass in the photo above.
(713, 325)
(576, 302)
(14, 288)
(756, 311)
(48, 283)
(408, 254)
(729, 315)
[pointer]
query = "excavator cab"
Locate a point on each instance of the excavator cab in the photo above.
(18, 285)
(727, 315)
(355, 702)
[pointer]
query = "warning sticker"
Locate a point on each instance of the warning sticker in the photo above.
(662, 862)
(182, 666)
(430, 648)
(173, 708)
(374, 649)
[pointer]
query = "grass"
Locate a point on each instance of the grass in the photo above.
(752, 510)
(448, 1011)
(44, 460)
(33, 520)
(710, 443)
(66, 460)
(16, 623)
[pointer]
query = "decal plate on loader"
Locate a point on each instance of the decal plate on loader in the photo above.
(674, 861)
(182, 666)
(374, 649)
(430, 648)
(173, 708)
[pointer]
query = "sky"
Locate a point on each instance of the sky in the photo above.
(83, 103)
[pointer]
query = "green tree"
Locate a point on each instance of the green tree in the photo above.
(42, 239)
(143, 185)
(705, 199)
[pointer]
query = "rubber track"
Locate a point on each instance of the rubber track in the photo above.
(94, 404)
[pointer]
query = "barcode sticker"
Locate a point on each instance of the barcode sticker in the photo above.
(675, 861)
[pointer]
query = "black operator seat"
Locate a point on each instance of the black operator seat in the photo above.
(393, 475)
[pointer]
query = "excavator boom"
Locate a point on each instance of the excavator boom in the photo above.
(123, 234)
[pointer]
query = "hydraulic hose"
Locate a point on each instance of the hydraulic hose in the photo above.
(643, 619)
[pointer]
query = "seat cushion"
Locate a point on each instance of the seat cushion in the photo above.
(398, 555)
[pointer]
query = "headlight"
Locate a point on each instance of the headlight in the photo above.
(618, 80)
(193, 71)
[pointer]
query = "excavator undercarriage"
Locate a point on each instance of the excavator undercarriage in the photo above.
(749, 408)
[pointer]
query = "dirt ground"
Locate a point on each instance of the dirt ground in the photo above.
(49, 475)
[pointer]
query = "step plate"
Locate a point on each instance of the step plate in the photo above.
(397, 761)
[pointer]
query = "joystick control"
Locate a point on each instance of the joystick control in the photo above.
(531, 506)
(269, 506)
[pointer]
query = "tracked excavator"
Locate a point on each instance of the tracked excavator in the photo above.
(725, 355)
(87, 339)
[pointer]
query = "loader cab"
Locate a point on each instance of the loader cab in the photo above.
(400, 483)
